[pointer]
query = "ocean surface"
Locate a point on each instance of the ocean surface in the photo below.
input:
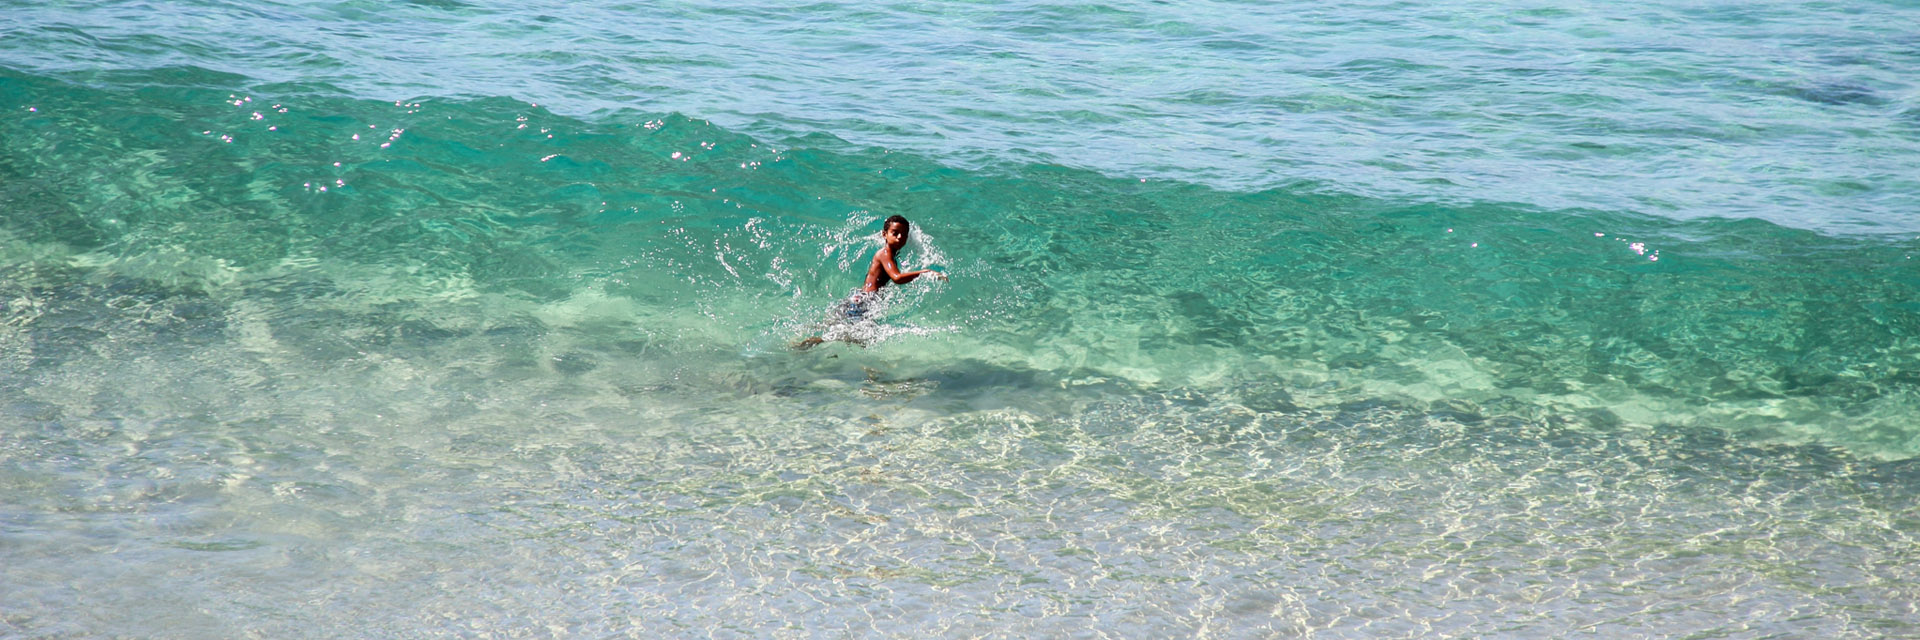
(471, 319)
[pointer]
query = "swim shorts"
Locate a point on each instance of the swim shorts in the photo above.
(856, 306)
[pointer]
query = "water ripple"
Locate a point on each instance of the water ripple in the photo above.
(1696, 104)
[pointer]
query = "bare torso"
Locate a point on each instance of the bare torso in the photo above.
(877, 272)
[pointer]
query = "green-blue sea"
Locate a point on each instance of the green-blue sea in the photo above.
(472, 319)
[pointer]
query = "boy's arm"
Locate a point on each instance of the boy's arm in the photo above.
(897, 276)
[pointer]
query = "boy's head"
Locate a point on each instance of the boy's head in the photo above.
(894, 231)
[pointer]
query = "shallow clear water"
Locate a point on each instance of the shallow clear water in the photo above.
(451, 319)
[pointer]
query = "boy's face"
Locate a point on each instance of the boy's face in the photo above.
(895, 235)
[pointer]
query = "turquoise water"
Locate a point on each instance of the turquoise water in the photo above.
(471, 320)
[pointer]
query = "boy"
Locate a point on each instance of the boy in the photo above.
(884, 269)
